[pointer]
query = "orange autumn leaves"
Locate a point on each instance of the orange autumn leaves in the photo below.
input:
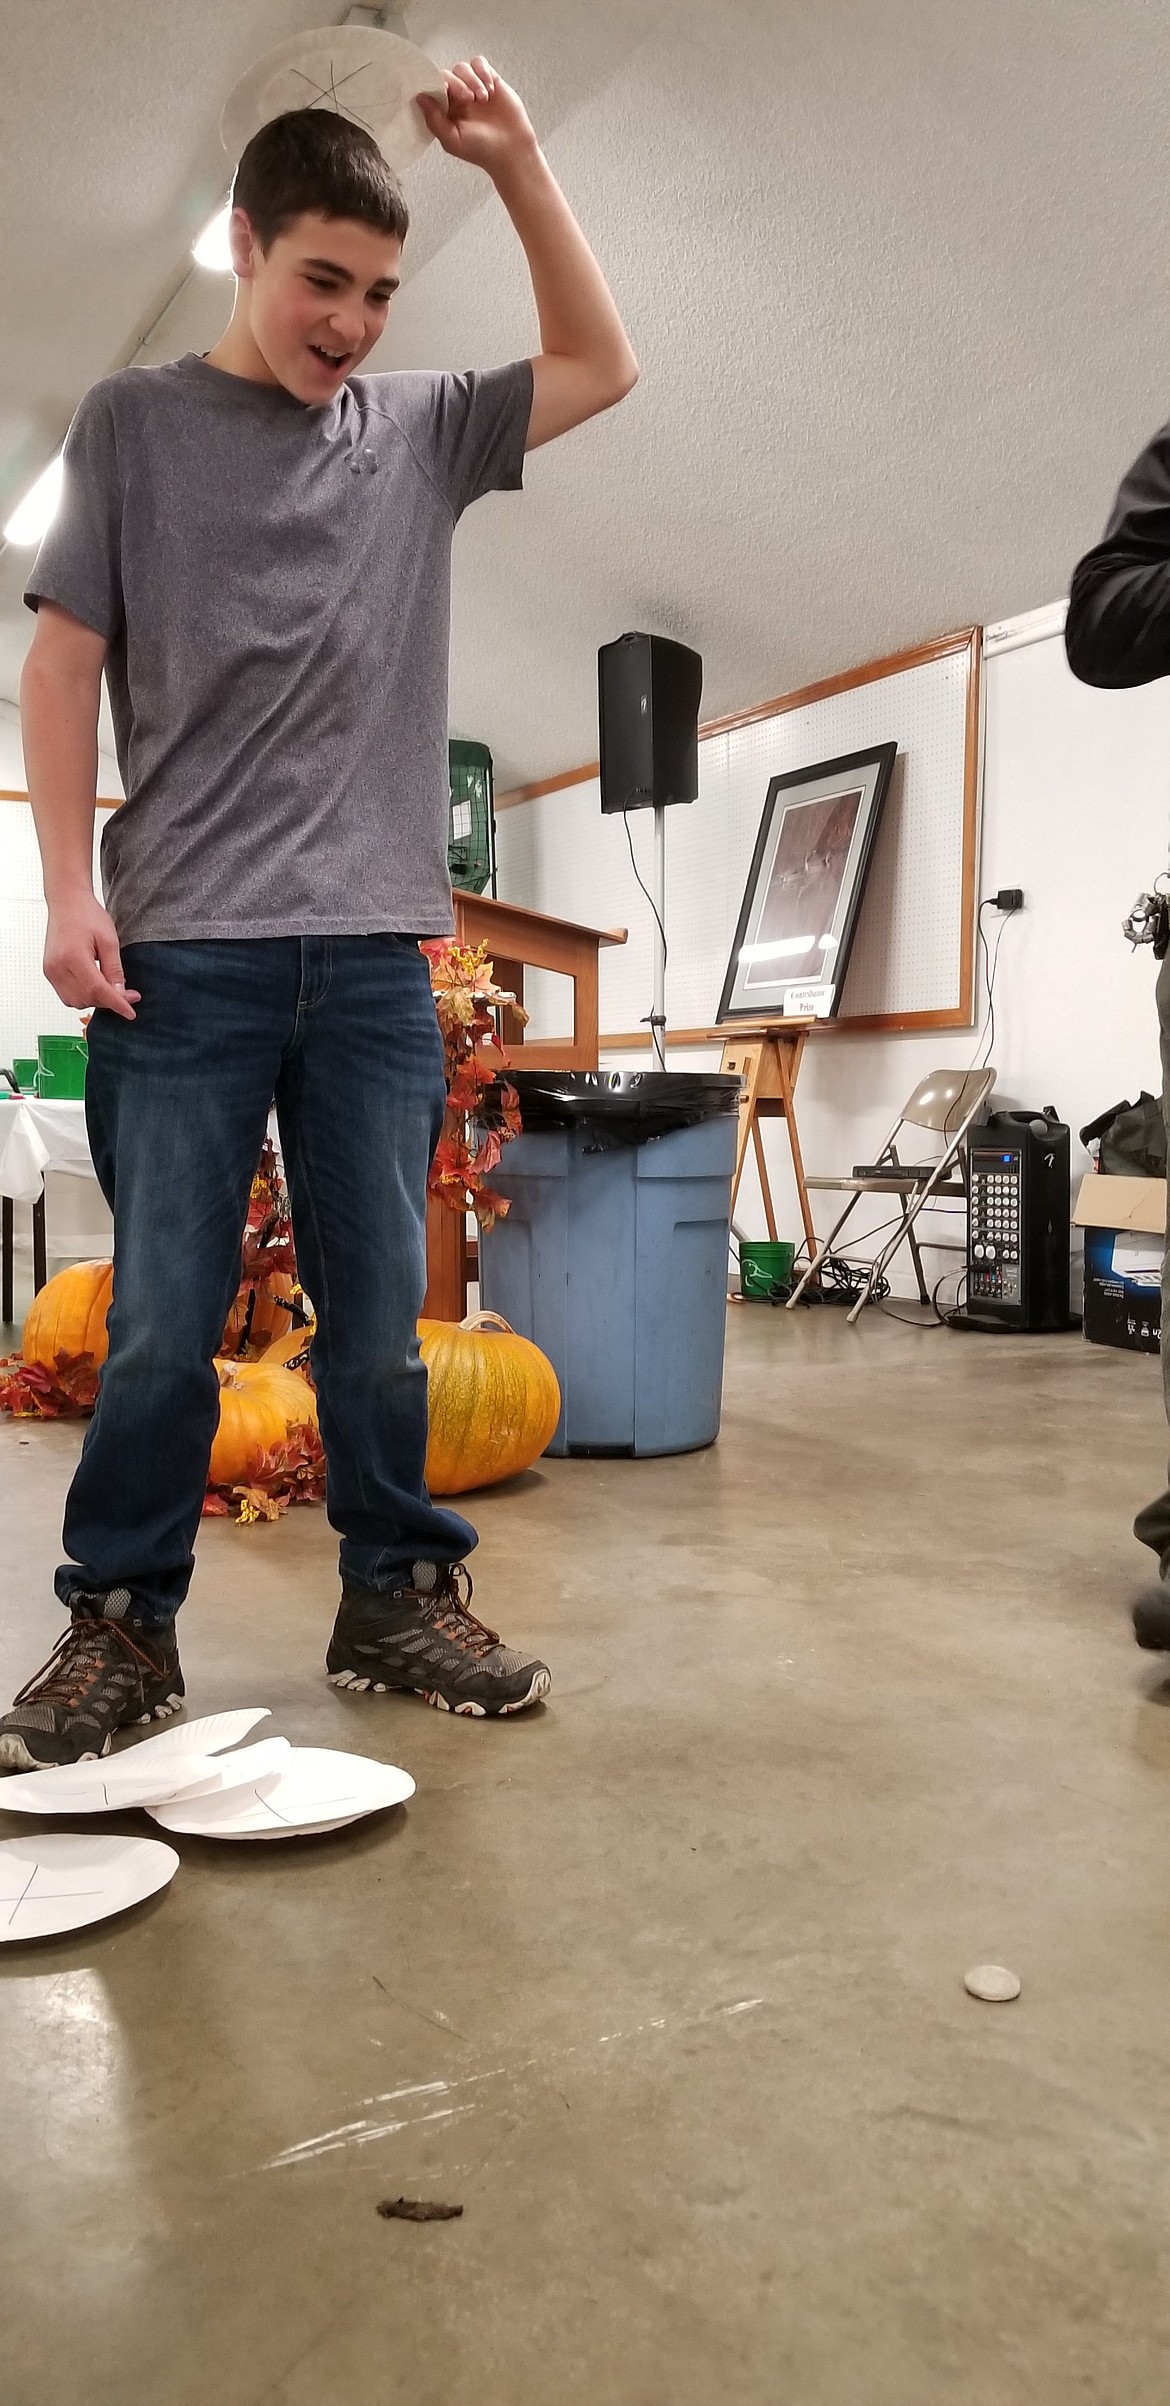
(482, 1113)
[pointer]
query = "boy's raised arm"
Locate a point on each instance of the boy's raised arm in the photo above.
(586, 362)
(60, 693)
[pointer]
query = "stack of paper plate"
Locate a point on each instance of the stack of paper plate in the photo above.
(188, 1781)
(316, 1789)
(179, 1762)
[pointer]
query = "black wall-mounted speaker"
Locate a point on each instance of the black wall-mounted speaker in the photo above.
(648, 695)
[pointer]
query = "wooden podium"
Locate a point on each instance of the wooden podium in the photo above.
(516, 940)
(768, 1057)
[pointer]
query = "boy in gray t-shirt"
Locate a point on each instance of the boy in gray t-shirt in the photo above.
(254, 548)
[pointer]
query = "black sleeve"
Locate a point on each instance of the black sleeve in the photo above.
(1118, 627)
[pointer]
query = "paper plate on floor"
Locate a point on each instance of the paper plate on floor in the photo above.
(211, 1734)
(319, 1790)
(119, 1782)
(62, 1881)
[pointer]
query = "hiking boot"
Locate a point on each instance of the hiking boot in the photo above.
(1151, 1621)
(424, 1638)
(104, 1674)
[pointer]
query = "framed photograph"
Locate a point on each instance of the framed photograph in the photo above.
(805, 887)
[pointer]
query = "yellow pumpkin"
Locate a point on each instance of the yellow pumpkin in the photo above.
(68, 1317)
(494, 1402)
(261, 1405)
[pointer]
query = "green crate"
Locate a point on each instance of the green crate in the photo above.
(471, 831)
(61, 1067)
(765, 1269)
(25, 1073)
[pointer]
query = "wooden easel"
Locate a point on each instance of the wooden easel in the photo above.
(767, 1056)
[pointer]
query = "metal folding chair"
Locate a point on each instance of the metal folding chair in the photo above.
(946, 1103)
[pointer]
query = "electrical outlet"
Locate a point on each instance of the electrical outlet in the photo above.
(1009, 898)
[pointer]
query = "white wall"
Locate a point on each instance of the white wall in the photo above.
(77, 1221)
(1076, 810)
(28, 1006)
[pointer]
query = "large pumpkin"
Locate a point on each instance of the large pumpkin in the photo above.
(261, 1406)
(68, 1317)
(494, 1402)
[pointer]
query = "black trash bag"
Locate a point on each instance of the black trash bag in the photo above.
(619, 1106)
(1132, 1139)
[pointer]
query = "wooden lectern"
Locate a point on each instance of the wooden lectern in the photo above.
(516, 940)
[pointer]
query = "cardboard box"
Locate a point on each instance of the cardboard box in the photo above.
(1124, 1220)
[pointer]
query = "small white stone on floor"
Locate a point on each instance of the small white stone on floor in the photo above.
(992, 1983)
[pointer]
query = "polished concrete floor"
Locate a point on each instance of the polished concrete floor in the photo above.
(663, 1983)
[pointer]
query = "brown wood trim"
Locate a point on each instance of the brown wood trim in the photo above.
(887, 1023)
(870, 673)
(893, 665)
(547, 785)
(8, 793)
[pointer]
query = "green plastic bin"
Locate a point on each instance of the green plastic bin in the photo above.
(25, 1073)
(765, 1269)
(471, 844)
(61, 1068)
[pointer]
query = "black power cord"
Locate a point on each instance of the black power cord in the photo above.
(1009, 900)
(844, 1280)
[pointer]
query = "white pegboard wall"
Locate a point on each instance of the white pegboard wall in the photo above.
(28, 1006)
(559, 854)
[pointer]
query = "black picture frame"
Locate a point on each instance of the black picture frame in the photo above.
(846, 797)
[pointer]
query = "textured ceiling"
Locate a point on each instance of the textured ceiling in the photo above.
(895, 274)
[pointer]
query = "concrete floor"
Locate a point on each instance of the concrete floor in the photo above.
(663, 1983)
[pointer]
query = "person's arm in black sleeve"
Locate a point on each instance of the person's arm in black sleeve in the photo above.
(1118, 627)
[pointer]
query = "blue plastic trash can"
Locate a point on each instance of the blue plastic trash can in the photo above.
(613, 1257)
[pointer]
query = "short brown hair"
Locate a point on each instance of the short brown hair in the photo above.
(316, 159)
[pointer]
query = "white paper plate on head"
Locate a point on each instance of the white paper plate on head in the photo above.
(62, 1881)
(318, 1790)
(139, 1777)
(359, 71)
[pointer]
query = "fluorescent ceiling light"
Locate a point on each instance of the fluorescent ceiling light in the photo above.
(785, 949)
(35, 514)
(213, 248)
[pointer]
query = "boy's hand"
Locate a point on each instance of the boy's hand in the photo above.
(485, 122)
(83, 963)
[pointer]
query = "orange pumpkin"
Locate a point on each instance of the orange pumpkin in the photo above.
(68, 1317)
(261, 1405)
(493, 1402)
(260, 1314)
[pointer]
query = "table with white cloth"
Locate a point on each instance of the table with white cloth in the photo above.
(36, 1136)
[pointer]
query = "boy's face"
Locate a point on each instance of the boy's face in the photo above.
(318, 298)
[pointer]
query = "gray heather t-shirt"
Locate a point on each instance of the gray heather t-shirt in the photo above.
(274, 584)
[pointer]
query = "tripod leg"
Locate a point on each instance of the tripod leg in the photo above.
(762, 1166)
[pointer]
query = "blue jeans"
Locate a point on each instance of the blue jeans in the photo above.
(342, 1031)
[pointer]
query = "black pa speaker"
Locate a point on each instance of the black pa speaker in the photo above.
(648, 695)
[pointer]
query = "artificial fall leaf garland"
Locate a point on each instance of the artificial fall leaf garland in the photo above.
(477, 1128)
(482, 1116)
(292, 1473)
